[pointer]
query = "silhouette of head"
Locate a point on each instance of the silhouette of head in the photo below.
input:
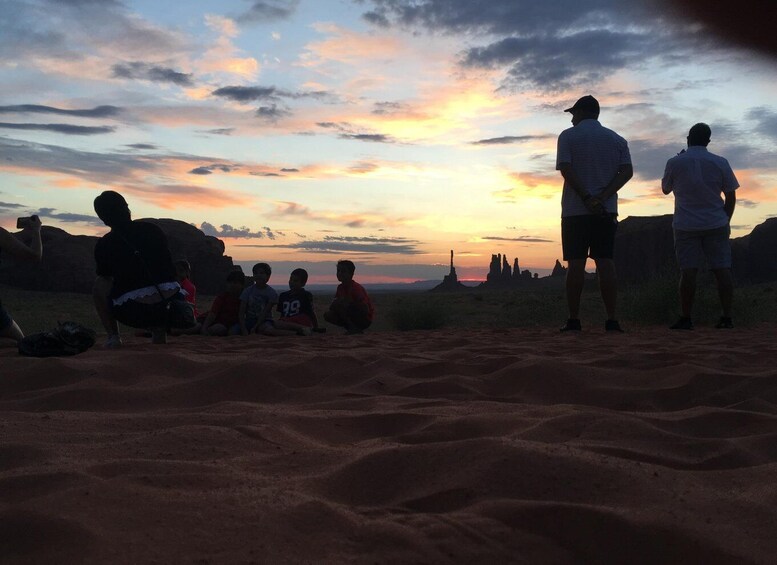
(112, 209)
(699, 134)
(585, 108)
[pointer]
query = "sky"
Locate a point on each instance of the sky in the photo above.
(384, 131)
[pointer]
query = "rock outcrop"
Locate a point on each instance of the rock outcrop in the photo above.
(755, 255)
(644, 248)
(450, 282)
(68, 260)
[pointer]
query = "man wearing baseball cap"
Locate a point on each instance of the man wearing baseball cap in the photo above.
(595, 163)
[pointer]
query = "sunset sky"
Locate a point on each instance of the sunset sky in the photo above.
(385, 131)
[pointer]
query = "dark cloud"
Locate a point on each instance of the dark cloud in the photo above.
(272, 113)
(508, 139)
(360, 245)
(649, 158)
(246, 93)
(548, 46)
(60, 128)
(284, 170)
(267, 93)
(209, 169)
(555, 63)
(745, 203)
(225, 230)
(71, 29)
(143, 146)
(521, 239)
(766, 121)
(370, 137)
(270, 10)
(11, 205)
(68, 217)
(219, 131)
(388, 108)
(137, 70)
(264, 174)
(331, 125)
(96, 112)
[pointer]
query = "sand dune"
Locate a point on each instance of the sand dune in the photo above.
(519, 446)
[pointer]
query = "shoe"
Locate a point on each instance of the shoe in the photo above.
(572, 325)
(682, 324)
(158, 336)
(724, 323)
(113, 342)
(305, 331)
(612, 326)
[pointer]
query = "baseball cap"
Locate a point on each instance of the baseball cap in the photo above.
(585, 104)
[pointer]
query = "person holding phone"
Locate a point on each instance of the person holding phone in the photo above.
(14, 246)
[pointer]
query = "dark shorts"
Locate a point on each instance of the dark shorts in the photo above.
(139, 315)
(357, 315)
(588, 236)
(693, 247)
(5, 318)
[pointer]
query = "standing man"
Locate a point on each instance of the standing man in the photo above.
(702, 220)
(595, 163)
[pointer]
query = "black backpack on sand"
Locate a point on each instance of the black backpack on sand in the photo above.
(68, 338)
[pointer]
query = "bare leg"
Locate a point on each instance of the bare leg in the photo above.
(688, 291)
(100, 292)
(608, 285)
(725, 290)
(13, 332)
(575, 281)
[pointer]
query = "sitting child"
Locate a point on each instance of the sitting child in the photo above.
(296, 306)
(183, 273)
(223, 317)
(256, 302)
(352, 307)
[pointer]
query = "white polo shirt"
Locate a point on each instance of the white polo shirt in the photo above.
(595, 153)
(697, 178)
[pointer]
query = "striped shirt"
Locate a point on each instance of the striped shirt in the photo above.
(595, 153)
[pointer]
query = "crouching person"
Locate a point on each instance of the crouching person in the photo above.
(135, 272)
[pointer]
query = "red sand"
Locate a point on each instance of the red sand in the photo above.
(516, 446)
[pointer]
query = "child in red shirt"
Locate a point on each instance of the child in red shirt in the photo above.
(223, 313)
(352, 307)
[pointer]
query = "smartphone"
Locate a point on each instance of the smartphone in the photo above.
(23, 223)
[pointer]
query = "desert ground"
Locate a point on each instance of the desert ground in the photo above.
(491, 439)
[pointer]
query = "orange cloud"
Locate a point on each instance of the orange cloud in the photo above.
(535, 185)
(224, 57)
(176, 196)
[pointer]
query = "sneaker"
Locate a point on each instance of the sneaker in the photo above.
(724, 323)
(158, 336)
(612, 326)
(572, 325)
(113, 342)
(682, 324)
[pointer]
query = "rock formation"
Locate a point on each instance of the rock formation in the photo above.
(559, 270)
(644, 248)
(450, 282)
(68, 260)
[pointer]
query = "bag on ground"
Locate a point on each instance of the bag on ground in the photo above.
(68, 338)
